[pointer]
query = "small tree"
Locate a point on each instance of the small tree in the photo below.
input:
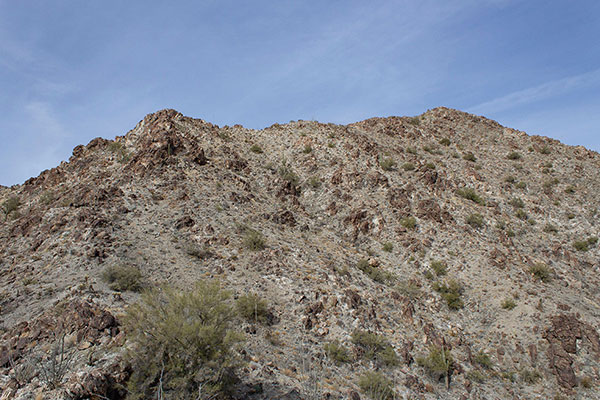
(182, 343)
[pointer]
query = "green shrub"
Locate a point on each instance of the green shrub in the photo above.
(375, 347)
(123, 278)
(541, 271)
(409, 289)
(549, 228)
(201, 253)
(10, 206)
(513, 156)
(375, 385)
(253, 308)
(47, 198)
(388, 247)
(337, 352)
(315, 182)
(587, 382)
(439, 267)
(584, 245)
(508, 304)
(510, 179)
(469, 157)
(181, 342)
(387, 164)
(570, 189)
(445, 142)
(521, 185)
(414, 121)
(516, 202)
(253, 240)
(475, 220)
(287, 174)
(307, 149)
(408, 166)
(411, 150)
(408, 222)
(521, 214)
(545, 150)
(482, 359)
(476, 376)
(530, 376)
(450, 291)
(256, 149)
(377, 274)
(430, 165)
(470, 194)
(438, 362)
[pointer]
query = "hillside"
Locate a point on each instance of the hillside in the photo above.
(443, 231)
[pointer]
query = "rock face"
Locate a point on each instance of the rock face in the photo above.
(442, 230)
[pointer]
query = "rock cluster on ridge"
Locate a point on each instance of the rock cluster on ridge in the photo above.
(362, 225)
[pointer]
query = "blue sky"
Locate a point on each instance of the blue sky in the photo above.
(74, 70)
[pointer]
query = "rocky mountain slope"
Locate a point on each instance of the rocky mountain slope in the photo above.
(377, 246)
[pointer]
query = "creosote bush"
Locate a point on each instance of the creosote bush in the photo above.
(10, 206)
(541, 271)
(182, 343)
(123, 278)
(475, 220)
(256, 149)
(470, 194)
(408, 166)
(387, 164)
(513, 156)
(253, 308)
(378, 274)
(375, 385)
(445, 142)
(388, 247)
(253, 240)
(337, 352)
(450, 291)
(375, 347)
(469, 157)
(408, 222)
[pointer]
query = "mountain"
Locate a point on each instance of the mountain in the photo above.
(442, 256)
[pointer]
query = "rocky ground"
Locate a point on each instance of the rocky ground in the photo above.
(445, 230)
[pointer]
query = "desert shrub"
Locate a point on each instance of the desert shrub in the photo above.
(377, 274)
(315, 182)
(450, 291)
(521, 214)
(388, 247)
(445, 142)
(430, 165)
(510, 179)
(307, 149)
(181, 343)
(123, 278)
(253, 240)
(201, 253)
(508, 304)
(437, 363)
(549, 228)
(469, 157)
(483, 360)
(375, 347)
(513, 156)
(408, 166)
(541, 271)
(475, 220)
(408, 222)
(476, 376)
(409, 289)
(337, 352)
(586, 382)
(387, 164)
(516, 202)
(584, 245)
(530, 376)
(439, 267)
(253, 308)
(375, 385)
(470, 194)
(545, 150)
(47, 198)
(10, 206)
(287, 174)
(570, 189)
(521, 185)
(414, 121)
(121, 152)
(411, 150)
(256, 149)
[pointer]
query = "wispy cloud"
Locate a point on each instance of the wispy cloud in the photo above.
(538, 93)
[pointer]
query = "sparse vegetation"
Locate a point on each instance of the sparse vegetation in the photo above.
(409, 289)
(408, 222)
(201, 253)
(439, 267)
(483, 360)
(470, 194)
(287, 174)
(123, 278)
(253, 308)
(530, 376)
(521, 214)
(256, 149)
(545, 150)
(375, 347)
(585, 245)
(191, 348)
(475, 220)
(387, 164)
(408, 166)
(513, 156)
(469, 157)
(375, 385)
(570, 189)
(508, 303)
(307, 149)
(541, 272)
(388, 247)
(586, 382)
(414, 121)
(516, 202)
(337, 352)
(376, 273)
(315, 182)
(445, 142)
(10, 206)
(438, 363)
(450, 291)
(549, 228)
(253, 240)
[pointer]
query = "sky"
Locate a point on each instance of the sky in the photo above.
(74, 70)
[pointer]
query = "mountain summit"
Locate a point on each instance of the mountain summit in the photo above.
(429, 257)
